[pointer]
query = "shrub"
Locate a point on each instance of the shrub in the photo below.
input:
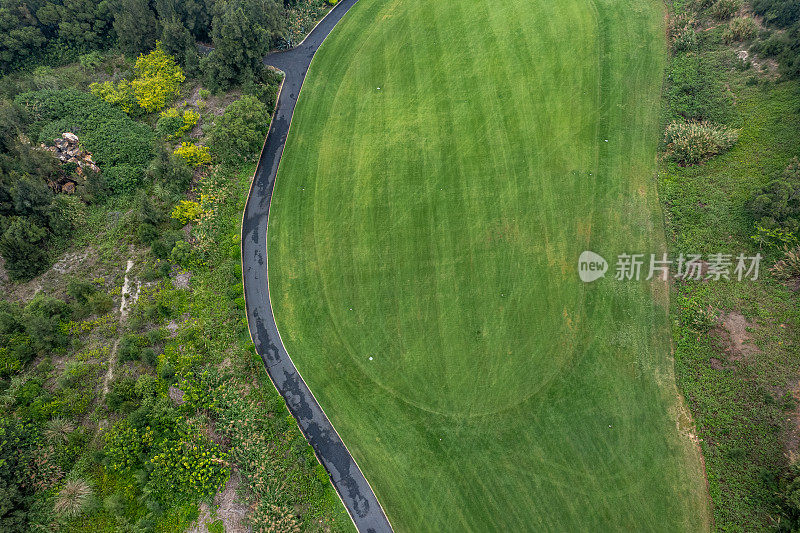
(80, 290)
(121, 94)
(173, 123)
(73, 499)
(740, 29)
(725, 9)
(104, 130)
(777, 205)
(42, 318)
(158, 79)
(181, 254)
(193, 154)
(186, 211)
(122, 395)
(689, 143)
(129, 349)
(239, 133)
(22, 245)
(124, 179)
(789, 266)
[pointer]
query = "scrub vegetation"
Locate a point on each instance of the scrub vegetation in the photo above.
(736, 344)
(131, 396)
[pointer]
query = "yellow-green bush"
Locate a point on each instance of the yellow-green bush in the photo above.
(158, 79)
(173, 123)
(193, 154)
(186, 211)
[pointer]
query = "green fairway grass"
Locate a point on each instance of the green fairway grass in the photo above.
(448, 162)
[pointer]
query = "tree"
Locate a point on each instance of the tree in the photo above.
(178, 41)
(778, 204)
(136, 26)
(242, 31)
(42, 318)
(239, 133)
(22, 245)
(32, 198)
(17, 442)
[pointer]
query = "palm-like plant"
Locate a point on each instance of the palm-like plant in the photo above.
(58, 430)
(73, 498)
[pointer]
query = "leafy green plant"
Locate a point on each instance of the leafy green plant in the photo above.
(777, 205)
(239, 133)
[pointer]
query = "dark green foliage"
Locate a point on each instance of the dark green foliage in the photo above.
(778, 204)
(32, 199)
(193, 15)
(136, 26)
(170, 171)
(242, 33)
(238, 135)
(42, 318)
(80, 290)
(51, 31)
(104, 129)
(181, 254)
(17, 447)
(162, 247)
(122, 395)
(129, 348)
(123, 179)
(784, 46)
(179, 42)
(23, 247)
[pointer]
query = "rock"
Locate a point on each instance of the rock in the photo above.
(176, 395)
(68, 150)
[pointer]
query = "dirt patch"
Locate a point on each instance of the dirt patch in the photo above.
(739, 347)
(792, 442)
(181, 280)
(229, 510)
(716, 364)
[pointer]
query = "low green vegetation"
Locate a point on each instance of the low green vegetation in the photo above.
(736, 344)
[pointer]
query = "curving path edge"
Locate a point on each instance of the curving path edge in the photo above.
(347, 478)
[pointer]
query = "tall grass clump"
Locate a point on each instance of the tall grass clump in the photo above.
(692, 142)
(73, 498)
(740, 29)
(684, 36)
(725, 9)
(789, 266)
